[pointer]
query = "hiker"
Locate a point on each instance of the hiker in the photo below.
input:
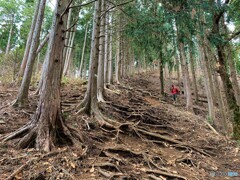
(174, 92)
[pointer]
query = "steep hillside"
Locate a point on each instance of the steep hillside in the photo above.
(153, 139)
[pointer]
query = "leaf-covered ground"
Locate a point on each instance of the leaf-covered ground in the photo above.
(156, 139)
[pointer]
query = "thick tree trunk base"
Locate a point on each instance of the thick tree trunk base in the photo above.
(92, 109)
(46, 138)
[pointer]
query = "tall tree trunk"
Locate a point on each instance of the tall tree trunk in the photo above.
(42, 44)
(144, 61)
(69, 52)
(29, 40)
(110, 59)
(227, 84)
(37, 65)
(10, 35)
(226, 127)
(85, 69)
(161, 77)
(67, 37)
(193, 70)
(22, 97)
(100, 76)
(178, 68)
(47, 127)
(90, 104)
(106, 54)
(83, 50)
(230, 61)
(124, 56)
(118, 57)
(189, 104)
(209, 93)
(233, 75)
(229, 92)
(91, 94)
(222, 108)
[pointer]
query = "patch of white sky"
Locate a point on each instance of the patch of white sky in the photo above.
(52, 4)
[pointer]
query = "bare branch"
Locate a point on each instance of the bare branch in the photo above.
(85, 4)
(234, 35)
(118, 6)
(42, 44)
(122, 4)
(75, 22)
(66, 9)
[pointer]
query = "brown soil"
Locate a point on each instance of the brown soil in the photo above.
(157, 139)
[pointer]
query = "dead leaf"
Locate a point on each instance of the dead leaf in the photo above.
(49, 169)
(92, 169)
(73, 165)
(143, 169)
(74, 154)
(2, 122)
(18, 176)
(46, 163)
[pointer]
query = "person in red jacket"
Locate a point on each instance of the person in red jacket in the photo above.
(174, 92)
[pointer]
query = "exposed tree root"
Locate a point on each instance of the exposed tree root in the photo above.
(66, 172)
(126, 152)
(111, 175)
(170, 140)
(168, 174)
(17, 171)
(141, 141)
(155, 177)
(18, 133)
(33, 134)
(21, 168)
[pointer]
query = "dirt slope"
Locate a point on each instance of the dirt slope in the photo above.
(155, 139)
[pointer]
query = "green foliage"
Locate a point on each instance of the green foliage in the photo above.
(23, 12)
(9, 65)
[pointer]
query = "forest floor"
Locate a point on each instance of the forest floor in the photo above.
(157, 139)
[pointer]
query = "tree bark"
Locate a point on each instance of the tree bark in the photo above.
(85, 69)
(100, 76)
(178, 68)
(209, 93)
(22, 97)
(118, 58)
(233, 75)
(10, 35)
(91, 94)
(83, 50)
(110, 59)
(67, 38)
(222, 108)
(69, 52)
(48, 127)
(29, 40)
(227, 84)
(193, 70)
(161, 77)
(189, 105)
(106, 49)
(42, 44)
